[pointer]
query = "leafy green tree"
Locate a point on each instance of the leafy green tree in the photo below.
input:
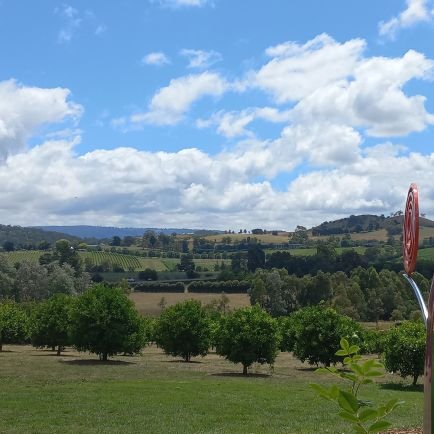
(148, 274)
(50, 322)
(116, 241)
(317, 331)
(14, 324)
(7, 278)
(66, 253)
(8, 246)
(31, 282)
(105, 322)
(184, 329)
(404, 349)
(248, 335)
(255, 258)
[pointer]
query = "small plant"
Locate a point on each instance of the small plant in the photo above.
(364, 416)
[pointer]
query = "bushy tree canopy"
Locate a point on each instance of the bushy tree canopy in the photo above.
(105, 322)
(404, 349)
(248, 335)
(316, 333)
(14, 324)
(184, 330)
(50, 322)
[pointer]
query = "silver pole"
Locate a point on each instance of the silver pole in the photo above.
(419, 297)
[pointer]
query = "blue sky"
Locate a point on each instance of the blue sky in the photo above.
(214, 113)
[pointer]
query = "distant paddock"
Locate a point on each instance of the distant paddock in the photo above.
(148, 303)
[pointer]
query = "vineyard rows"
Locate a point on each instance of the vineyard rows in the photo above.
(127, 262)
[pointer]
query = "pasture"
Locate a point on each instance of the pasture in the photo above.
(154, 393)
(149, 303)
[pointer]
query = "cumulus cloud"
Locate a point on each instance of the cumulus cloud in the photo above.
(157, 58)
(24, 109)
(234, 123)
(171, 102)
(201, 59)
(51, 184)
(295, 70)
(416, 11)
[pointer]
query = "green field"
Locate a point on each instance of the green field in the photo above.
(312, 251)
(153, 393)
(127, 262)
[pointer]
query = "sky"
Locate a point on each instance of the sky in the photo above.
(218, 114)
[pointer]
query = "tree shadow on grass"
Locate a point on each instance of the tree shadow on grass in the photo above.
(401, 387)
(240, 375)
(7, 351)
(308, 368)
(95, 362)
(53, 355)
(183, 361)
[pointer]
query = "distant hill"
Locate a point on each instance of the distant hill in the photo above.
(102, 232)
(366, 223)
(24, 237)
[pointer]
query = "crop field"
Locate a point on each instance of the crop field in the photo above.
(148, 303)
(23, 255)
(154, 393)
(127, 262)
(426, 253)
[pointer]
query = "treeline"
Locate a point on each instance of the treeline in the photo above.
(58, 272)
(364, 294)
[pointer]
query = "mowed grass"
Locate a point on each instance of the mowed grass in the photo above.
(154, 393)
(148, 303)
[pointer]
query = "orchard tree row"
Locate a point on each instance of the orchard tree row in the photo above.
(105, 322)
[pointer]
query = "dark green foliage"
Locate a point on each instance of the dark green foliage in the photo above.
(184, 330)
(317, 331)
(255, 258)
(50, 322)
(228, 287)
(14, 324)
(148, 274)
(160, 287)
(404, 349)
(105, 322)
(248, 335)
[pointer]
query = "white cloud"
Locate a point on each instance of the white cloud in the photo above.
(297, 70)
(24, 109)
(73, 19)
(157, 58)
(170, 103)
(373, 98)
(416, 11)
(201, 59)
(234, 124)
(181, 3)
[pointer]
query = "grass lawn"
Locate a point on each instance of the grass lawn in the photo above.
(153, 393)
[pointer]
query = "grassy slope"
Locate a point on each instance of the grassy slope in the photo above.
(155, 394)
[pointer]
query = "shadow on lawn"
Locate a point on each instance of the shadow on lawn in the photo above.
(240, 375)
(182, 361)
(400, 387)
(95, 362)
(54, 355)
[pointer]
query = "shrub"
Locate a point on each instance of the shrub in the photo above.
(14, 324)
(248, 335)
(105, 322)
(50, 322)
(184, 329)
(404, 349)
(317, 333)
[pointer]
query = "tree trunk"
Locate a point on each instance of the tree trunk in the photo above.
(104, 357)
(59, 350)
(244, 369)
(1, 346)
(53, 347)
(415, 377)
